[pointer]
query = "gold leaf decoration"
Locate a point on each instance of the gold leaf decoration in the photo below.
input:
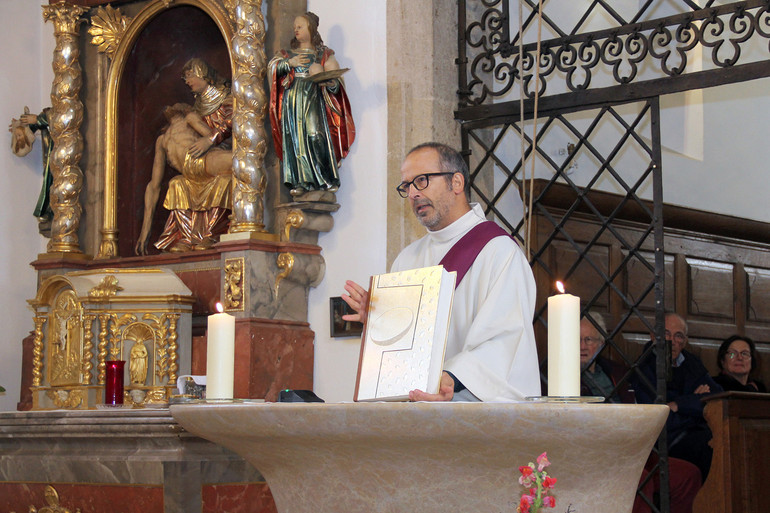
(107, 27)
(108, 287)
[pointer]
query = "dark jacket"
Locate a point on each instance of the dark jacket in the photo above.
(684, 380)
(615, 371)
(729, 383)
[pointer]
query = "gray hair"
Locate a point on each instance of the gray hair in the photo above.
(450, 161)
(681, 319)
(598, 322)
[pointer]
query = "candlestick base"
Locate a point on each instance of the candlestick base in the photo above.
(565, 399)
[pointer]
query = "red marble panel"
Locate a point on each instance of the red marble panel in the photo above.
(238, 498)
(18, 497)
(205, 287)
(271, 356)
(198, 367)
(25, 396)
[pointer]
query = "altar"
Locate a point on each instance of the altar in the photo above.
(393, 457)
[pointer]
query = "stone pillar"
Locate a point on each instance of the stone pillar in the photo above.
(249, 135)
(422, 96)
(66, 118)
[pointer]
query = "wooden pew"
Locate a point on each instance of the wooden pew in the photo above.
(740, 424)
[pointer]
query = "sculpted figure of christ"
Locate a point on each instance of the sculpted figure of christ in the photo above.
(199, 197)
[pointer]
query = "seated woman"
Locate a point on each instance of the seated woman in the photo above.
(736, 359)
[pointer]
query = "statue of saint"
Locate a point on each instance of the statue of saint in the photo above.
(199, 197)
(311, 120)
(23, 136)
(137, 367)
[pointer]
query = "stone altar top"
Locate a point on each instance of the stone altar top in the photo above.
(392, 457)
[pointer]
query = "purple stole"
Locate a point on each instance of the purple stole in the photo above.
(461, 256)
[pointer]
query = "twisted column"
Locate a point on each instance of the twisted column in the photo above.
(66, 118)
(249, 136)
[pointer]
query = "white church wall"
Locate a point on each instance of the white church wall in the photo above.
(731, 176)
(26, 80)
(356, 247)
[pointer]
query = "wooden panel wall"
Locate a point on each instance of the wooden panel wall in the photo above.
(717, 272)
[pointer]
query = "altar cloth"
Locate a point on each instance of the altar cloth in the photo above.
(434, 457)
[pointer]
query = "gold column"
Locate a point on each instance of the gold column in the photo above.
(67, 116)
(172, 348)
(101, 357)
(249, 136)
(88, 346)
(37, 351)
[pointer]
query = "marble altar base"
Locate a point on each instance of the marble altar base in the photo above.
(434, 457)
(126, 461)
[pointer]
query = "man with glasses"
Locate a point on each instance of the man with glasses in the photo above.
(491, 353)
(688, 433)
(600, 375)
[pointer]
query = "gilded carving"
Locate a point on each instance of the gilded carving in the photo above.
(115, 328)
(65, 335)
(75, 332)
(234, 284)
(52, 498)
(37, 351)
(249, 135)
(102, 348)
(108, 287)
(66, 399)
(107, 27)
(295, 219)
(165, 328)
(286, 262)
(65, 120)
(173, 337)
(88, 346)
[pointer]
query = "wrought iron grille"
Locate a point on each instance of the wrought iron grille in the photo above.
(602, 47)
(600, 71)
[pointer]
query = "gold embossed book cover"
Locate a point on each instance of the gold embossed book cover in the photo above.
(404, 338)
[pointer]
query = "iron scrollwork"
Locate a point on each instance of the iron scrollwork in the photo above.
(662, 45)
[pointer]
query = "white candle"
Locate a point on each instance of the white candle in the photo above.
(220, 355)
(563, 345)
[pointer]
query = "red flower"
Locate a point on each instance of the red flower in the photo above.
(526, 471)
(549, 501)
(524, 504)
(549, 482)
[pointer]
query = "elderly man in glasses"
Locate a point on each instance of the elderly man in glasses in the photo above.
(491, 353)
(689, 382)
(601, 376)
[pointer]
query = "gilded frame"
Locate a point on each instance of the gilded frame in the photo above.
(108, 247)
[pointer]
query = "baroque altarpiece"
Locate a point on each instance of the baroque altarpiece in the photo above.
(116, 69)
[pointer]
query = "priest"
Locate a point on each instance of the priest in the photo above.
(491, 353)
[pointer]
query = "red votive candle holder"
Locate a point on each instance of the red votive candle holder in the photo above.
(113, 385)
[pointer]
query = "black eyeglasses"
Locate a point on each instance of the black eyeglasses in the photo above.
(420, 182)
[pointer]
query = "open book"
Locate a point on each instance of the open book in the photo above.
(404, 338)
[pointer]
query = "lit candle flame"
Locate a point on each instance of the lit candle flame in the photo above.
(219, 307)
(560, 287)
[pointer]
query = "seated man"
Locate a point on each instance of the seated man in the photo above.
(688, 433)
(491, 353)
(600, 378)
(600, 375)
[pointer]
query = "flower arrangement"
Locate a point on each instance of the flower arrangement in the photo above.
(538, 484)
